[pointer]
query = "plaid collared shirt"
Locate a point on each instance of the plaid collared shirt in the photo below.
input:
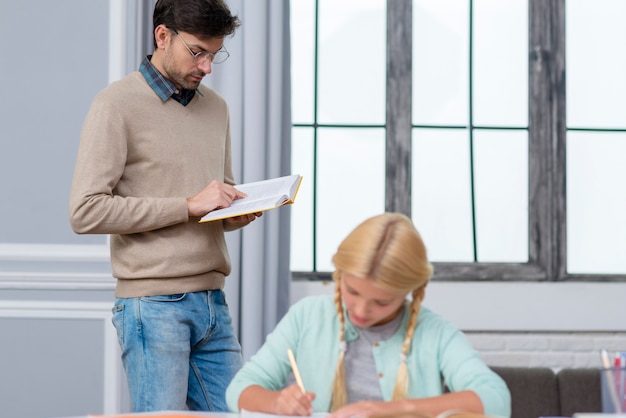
(163, 87)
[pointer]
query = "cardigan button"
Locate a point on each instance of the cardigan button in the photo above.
(380, 375)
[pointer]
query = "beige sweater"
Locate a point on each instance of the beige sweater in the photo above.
(139, 159)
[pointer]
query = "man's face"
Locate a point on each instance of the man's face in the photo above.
(179, 64)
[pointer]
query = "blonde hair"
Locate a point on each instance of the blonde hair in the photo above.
(388, 250)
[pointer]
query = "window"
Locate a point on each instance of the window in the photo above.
(455, 113)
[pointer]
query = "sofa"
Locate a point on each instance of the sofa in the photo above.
(541, 392)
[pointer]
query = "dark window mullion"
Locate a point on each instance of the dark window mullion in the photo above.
(547, 213)
(398, 117)
(471, 128)
(315, 129)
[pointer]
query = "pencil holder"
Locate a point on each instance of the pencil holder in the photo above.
(613, 389)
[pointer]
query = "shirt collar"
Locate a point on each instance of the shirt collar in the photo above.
(351, 332)
(163, 87)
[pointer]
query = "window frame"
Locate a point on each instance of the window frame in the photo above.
(547, 131)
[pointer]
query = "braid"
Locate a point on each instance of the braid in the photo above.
(388, 250)
(339, 395)
(402, 379)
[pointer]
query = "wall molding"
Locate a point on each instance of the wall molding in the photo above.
(117, 39)
(54, 252)
(56, 281)
(55, 267)
(516, 306)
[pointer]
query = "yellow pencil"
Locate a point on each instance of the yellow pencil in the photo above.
(294, 368)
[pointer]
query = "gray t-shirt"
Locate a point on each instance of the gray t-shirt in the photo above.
(360, 368)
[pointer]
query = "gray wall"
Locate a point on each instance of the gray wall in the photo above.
(58, 349)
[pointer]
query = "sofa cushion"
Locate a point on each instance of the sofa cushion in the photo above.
(534, 391)
(579, 391)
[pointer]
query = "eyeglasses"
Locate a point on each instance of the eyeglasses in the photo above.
(203, 56)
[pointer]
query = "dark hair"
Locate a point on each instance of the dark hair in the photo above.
(202, 18)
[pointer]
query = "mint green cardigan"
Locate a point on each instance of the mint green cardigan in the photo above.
(440, 351)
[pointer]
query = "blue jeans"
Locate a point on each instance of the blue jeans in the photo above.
(179, 351)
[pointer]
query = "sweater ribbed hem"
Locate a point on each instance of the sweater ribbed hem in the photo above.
(132, 288)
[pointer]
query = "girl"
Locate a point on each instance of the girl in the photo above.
(370, 349)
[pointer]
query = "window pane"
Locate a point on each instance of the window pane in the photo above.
(302, 210)
(302, 60)
(351, 185)
(351, 62)
(596, 63)
(596, 202)
(501, 194)
(440, 62)
(500, 47)
(441, 196)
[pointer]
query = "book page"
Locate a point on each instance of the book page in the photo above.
(248, 414)
(170, 414)
(242, 207)
(280, 187)
(262, 195)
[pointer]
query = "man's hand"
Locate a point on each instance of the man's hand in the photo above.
(236, 222)
(215, 195)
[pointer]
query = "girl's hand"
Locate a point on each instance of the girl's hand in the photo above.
(361, 409)
(291, 401)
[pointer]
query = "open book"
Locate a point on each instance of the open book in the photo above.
(168, 414)
(262, 195)
(249, 414)
(414, 414)
(452, 413)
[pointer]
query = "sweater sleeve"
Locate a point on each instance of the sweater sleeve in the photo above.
(100, 164)
(269, 367)
(463, 369)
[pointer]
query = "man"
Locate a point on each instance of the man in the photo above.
(154, 157)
